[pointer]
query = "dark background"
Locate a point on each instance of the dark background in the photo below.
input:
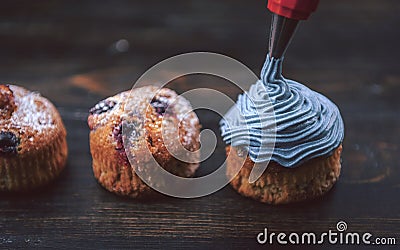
(66, 50)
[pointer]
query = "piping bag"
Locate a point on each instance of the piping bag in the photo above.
(308, 124)
(286, 16)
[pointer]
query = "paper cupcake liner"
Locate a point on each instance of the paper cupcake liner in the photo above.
(279, 185)
(35, 167)
(118, 176)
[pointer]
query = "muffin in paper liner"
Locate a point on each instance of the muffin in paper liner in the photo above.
(33, 146)
(280, 185)
(166, 109)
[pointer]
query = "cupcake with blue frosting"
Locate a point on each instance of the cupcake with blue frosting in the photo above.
(291, 135)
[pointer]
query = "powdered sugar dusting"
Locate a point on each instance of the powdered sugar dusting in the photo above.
(178, 119)
(33, 113)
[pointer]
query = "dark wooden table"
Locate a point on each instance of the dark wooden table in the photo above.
(67, 51)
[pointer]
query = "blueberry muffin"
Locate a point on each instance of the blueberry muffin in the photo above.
(152, 107)
(33, 146)
(293, 131)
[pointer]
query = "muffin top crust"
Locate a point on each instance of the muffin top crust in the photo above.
(27, 120)
(154, 115)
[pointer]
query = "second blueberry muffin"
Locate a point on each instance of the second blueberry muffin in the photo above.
(151, 108)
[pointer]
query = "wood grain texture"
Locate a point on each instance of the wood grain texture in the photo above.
(66, 50)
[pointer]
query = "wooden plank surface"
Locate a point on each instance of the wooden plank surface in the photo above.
(66, 50)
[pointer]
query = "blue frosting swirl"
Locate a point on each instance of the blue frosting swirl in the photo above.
(306, 124)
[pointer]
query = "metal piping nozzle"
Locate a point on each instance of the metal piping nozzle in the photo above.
(282, 30)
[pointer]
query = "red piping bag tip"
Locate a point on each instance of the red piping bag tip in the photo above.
(293, 9)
